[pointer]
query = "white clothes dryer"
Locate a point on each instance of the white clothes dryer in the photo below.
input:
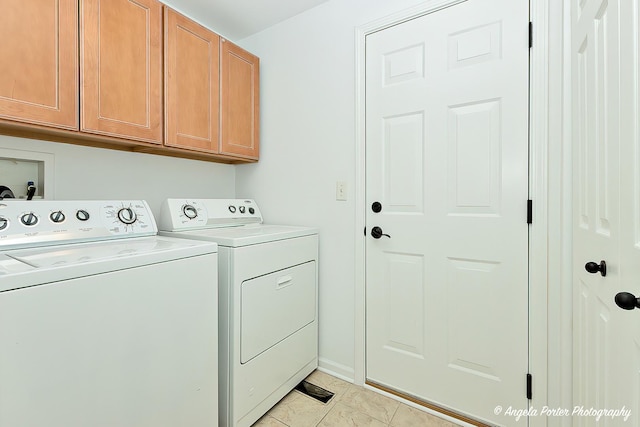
(102, 322)
(268, 335)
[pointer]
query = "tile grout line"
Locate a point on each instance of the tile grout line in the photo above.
(394, 415)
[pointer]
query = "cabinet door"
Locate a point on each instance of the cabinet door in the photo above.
(38, 62)
(239, 92)
(121, 68)
(191, 78)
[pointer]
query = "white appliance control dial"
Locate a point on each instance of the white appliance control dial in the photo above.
(29, 219)
(83, 215)
(127, 216)
(4, 223)
(57, 216)
(190, 211)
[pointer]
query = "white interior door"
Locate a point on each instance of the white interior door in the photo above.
(596, 228)
(628, 384)
(606, 207)
(446, 158)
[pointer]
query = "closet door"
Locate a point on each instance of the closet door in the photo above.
(606, 204)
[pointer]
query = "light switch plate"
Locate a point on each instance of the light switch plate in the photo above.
(341, 190)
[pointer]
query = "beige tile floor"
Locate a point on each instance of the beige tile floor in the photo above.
(351, 406)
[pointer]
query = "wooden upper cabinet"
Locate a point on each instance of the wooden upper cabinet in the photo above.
(240, 101)
(121, 68)
(192, 84)
(39, 62)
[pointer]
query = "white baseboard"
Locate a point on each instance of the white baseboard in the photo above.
(337, 370)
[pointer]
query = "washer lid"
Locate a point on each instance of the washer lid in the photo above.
(245, 235)
(36, 266)
(9, 265)
(159, 249)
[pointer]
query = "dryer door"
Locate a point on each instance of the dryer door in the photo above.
(274, 306)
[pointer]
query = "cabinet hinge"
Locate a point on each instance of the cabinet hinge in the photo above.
(529, 211)
(529, 386)
(530, 35)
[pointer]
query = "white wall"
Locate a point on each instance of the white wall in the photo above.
(94, 173)
(308, 143)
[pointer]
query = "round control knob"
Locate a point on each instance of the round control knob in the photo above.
(127, 215)
(189, 211)
(29, 219)
(252, 211)
(82, 215)
(232, 209)
(4, 223)
(57, 216)
(242, 209)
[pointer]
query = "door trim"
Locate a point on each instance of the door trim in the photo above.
(549, 248)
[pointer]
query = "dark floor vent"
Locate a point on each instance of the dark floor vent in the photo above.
(314, 391)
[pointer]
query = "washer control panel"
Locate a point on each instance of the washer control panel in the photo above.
(186, 214)
(42, 222)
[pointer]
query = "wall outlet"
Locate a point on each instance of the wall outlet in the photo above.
(341, 190)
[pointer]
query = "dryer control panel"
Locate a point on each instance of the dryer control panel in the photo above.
(43, 222)
(190, 214)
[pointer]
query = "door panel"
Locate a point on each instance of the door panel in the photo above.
(121, 68)
(607, 199)
(404, 298)
(239, 101)
(597, 227)
(39, 62)
(474, 158)
(627, 326)
(447, 156)
(470, 350)
(403, 170)
(192, 86)
(292, 300)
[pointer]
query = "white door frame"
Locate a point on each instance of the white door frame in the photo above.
(549, 188)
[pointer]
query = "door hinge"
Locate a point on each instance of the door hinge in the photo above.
(365, 231)
(529, 386)
(530, 35)
(529, 211)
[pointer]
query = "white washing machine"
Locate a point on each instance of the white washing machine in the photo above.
(102, 322)
(268, 300)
